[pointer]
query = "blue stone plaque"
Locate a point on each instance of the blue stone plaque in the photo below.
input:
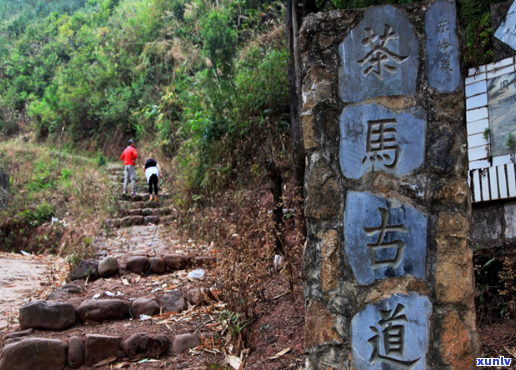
(442, 53)
(380, 56)
(392, 334)
(374, 138)
(506, 33)
(383, 238)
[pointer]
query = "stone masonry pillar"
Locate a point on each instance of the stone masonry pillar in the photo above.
(388, 271)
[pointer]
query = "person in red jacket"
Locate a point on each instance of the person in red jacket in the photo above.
(129, 157)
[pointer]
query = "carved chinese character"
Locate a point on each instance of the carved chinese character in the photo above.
(443, 26)
(445, 65)
(381, 143)
(445, 45)
(504, 85)
(379, 53)
(393, 334)
(398, 245)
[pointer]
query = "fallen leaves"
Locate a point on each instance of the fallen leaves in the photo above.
(279, 354)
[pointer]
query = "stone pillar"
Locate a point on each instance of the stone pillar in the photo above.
(4, 190)
(388, 270)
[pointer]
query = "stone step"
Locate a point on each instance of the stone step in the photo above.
(139, 220)
(145, 211)
(142, 196)
(162, 203)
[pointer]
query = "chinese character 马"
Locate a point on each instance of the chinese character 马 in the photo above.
(397, 245)
(392, 336)
(381, 143)
(379, 53)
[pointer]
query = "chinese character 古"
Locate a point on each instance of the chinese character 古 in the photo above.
(393, 338)
(379, 53)
(381, 143)
(398, 245)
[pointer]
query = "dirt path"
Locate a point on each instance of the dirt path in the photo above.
(22, 277)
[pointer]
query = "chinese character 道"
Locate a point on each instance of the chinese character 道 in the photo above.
(392, 336)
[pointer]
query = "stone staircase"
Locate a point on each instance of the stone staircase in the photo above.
(136, 209)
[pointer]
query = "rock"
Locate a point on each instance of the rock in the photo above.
(146, 212)
(108, 266)
(19, 334)
(126, 221)
(137, 220)
(141, 345)
(136, 198)
(121, 212)
(47, 315)
(74, 288)
(113, 223)
(138, 265)
(206, 261)
(175, 261)
(158, 266)
(135, 212)
(182, 342)
(76, 352)
(155, 212)
(196, 274)
(195, 296)
(172, 301)
(144, 306)
(104, 309)
(34, 354)
(100, 347)
(138, 205)
(84, 269)
(151, 220)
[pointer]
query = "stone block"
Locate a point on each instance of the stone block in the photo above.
(182, 342)
(307, 123)
(144, 306)
(84, 269)
(135, 212)
(104, 309)
(151, 220)
(383, 238)
(101, 347)
(47, 315)
(455, 346)
(138, 264)
(442, 49)
(108, 266)
(329, 261)
(76, 352)
(510, 223)
(374, 138)
(323, 195)
(361, 74)
(142, 345)
(172, 301)
(137, 220)
(400, 322)
(486, 228)
(175, 261)
(157, 265)
(320, 325)
(34, 354)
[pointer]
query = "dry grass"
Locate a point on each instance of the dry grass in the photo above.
(74, 189)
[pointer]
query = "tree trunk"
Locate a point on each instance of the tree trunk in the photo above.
(294, 78)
